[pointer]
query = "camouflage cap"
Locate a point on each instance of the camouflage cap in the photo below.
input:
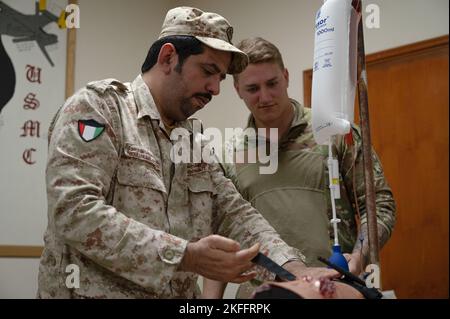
(209, 28)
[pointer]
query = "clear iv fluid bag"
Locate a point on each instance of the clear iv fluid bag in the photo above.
(334, 70)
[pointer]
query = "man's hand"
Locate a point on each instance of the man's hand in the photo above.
(354, 263)
(219, 258)
(301, 271)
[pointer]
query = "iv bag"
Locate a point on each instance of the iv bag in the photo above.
(334, 70)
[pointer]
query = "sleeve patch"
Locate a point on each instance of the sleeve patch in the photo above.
(90, 130)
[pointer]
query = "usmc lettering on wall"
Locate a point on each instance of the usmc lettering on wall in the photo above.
(31, 128)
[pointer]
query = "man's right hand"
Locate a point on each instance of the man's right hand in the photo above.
(219, 258)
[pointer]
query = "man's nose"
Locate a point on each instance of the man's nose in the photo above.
(213, 86)
(264, 96)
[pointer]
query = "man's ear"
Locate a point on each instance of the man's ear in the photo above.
(167, 57)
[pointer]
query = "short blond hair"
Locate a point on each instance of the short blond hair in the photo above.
(260, 50)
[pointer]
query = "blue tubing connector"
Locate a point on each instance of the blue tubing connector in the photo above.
(338, 258)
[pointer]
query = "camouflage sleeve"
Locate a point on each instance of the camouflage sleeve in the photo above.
(79, 177)
(353, 175)
(237, 219)
(228, 167)
(229, 170)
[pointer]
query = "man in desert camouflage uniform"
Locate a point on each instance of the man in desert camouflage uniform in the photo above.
(134, 223)
(296, 199)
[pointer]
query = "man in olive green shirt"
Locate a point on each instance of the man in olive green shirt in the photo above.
(296, 199)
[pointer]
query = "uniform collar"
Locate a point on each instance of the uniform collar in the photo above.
(298, 123)
(144, 100)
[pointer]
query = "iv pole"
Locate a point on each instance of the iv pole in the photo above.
(366, 143)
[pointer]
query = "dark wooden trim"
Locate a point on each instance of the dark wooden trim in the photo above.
(70, 65)
(307, 87)
(21, 251)
(406, 50)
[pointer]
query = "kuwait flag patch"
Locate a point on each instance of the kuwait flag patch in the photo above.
(89, 130)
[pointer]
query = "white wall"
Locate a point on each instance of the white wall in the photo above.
(114, 38)
(115, 35)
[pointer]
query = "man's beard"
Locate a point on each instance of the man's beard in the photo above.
(186, 106)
